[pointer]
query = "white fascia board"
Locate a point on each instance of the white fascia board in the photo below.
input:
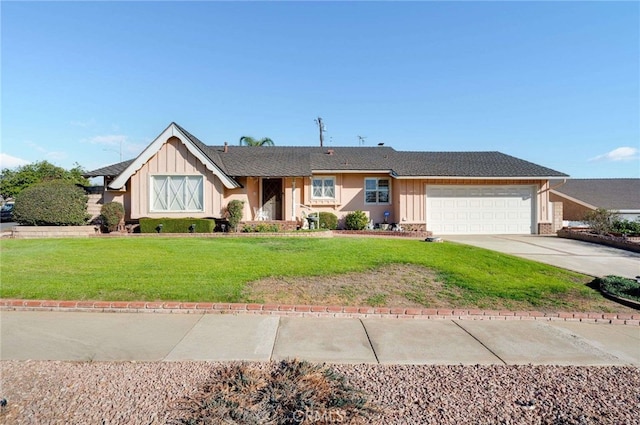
(153, 149)
(473, 178)
(352, 172)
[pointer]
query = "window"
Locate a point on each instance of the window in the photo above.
(376, 191)
(177, 193)
(323, 188)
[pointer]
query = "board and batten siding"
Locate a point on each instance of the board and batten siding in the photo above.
(174, 159)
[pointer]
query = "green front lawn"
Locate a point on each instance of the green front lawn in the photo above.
(218, 269)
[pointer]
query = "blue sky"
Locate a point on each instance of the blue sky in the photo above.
(555, 83)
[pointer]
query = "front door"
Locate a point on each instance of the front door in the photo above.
(272, 198)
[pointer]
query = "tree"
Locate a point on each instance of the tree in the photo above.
(250, 141)
(14, 181)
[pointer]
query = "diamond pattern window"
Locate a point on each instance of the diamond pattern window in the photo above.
(177, 193)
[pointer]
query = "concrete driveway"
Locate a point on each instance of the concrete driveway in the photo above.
(584, 257)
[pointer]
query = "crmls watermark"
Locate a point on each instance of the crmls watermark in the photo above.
(321, 416)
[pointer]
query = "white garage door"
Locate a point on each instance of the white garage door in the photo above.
(475, 210)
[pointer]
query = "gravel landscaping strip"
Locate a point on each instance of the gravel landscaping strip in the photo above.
(56, 392)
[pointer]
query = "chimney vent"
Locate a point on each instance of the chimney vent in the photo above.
(226, 147)
(381, 144)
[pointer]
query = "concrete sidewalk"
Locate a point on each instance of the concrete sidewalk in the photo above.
(583, 257)
(84, 336)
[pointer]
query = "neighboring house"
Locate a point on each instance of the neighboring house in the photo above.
(579, 196)
(444, 192)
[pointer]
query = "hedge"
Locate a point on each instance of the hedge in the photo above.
(52, 203)
(176, 225)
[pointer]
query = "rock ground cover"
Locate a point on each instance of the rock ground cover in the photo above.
(149, 393)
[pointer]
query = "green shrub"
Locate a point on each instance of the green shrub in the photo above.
(601, 220)
(626, 227)
(284, 393)
(328, 221)
(111, 215)
(176, 225)
(620, 286)
(356, 220)
(233, 212)
(261, 228)
(53, 203)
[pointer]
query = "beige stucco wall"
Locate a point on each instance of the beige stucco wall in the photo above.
(349, 197)
(174, 158)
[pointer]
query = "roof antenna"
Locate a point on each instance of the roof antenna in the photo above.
(361, 140)
(322, 129)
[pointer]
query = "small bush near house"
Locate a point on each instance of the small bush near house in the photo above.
(176, 225)
(601, 220)
(233, 213)
(111, 215)
(626, 227)
(356, 220)
(289, 392)
(261, 228)
(328, 221)
(52, 203)
(620, 287)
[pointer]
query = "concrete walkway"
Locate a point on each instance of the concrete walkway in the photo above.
(84, 336)
(583, 257)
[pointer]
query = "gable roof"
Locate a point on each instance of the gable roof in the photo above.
(195, 147)
(228, 162)
(612, 194)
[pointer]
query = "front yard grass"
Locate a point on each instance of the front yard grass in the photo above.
(263, 269)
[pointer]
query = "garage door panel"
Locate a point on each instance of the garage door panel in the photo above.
(480, 209)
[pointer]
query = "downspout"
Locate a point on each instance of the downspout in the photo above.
(551, 188)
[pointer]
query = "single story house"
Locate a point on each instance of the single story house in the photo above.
(579, 196)
(177, 175)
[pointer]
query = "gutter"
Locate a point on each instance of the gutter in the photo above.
(553, 187)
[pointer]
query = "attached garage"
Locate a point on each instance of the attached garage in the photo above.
(480, 209)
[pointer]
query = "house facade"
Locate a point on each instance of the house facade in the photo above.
(177, 175)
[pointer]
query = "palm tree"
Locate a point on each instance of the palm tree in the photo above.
(250, 141)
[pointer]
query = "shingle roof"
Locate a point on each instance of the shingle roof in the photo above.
(110, 170)
(468, 164)
(613, 194)
(298, 161)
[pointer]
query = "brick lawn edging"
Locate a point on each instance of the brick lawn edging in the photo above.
(313, 311)
(630, 244)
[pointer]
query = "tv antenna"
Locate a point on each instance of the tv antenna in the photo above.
(321, 128)
(361, 140)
